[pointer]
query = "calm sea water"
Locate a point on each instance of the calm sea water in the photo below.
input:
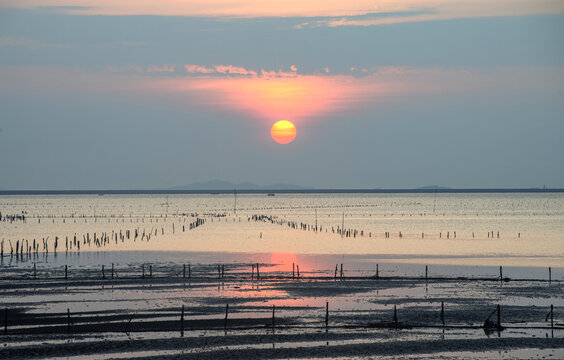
(442, 229)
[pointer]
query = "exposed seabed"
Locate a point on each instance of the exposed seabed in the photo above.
(266, 310)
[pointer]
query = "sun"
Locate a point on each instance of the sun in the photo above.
(283, 132)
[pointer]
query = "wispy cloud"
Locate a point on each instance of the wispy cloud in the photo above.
(197, 69)
(238, 71)
(450, 10)
(353, 12)
(161, 68)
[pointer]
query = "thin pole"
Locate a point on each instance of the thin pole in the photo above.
(235, 205)
(273, 324)
(315, 219)
(336, 269)
(326, 316)
(498, 316)
(343, 225)
(226, 313)
(68, 321)
(552, 319)
(293, 270)
(443, 313)
(182, 322)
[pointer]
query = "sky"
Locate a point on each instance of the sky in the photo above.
(105, 94)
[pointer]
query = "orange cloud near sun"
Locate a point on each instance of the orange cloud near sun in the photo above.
(277, 98)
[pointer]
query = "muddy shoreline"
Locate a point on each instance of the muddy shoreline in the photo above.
(171, 316)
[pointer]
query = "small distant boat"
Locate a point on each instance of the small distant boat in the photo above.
(271, 194)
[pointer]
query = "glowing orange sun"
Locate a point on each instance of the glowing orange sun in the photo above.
(283, 132)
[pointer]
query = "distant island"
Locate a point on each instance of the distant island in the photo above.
(273, 189)
(432, 187)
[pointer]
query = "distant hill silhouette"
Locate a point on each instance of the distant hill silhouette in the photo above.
(227, 185)
(433, 187)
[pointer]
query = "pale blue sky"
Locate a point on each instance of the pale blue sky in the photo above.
(460, 102)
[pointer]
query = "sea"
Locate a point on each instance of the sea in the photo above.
(451, 234)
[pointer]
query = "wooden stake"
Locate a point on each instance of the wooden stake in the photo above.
(182, 322)
(552, 319)
(68, 321)
(326, 315)
(443, 313)
(273, 324)
(395, 319)
(498, 317)
(336, 269)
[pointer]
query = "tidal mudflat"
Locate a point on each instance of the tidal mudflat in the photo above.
(182, 277)
(231, 313)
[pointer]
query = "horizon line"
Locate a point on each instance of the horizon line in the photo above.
(281, 191)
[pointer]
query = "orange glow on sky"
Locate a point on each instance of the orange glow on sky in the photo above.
(433, 10)
(275, 98)
(283, 132)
